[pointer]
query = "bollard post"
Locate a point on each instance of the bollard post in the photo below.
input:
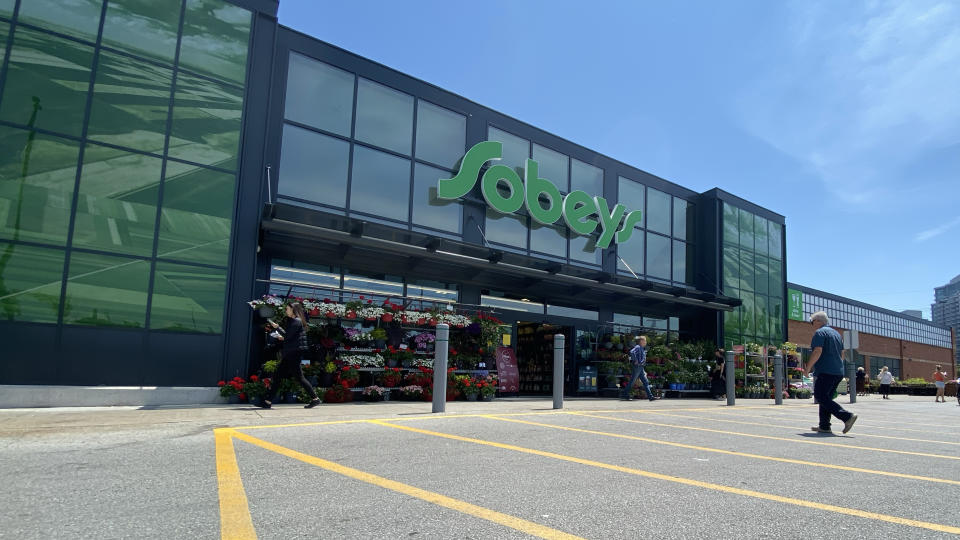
(729, 373)
(558, 350)
(440, 368)
(852, 380)
(778, 378)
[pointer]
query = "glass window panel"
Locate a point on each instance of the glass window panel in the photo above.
(731, 267)
(679, 261)
(775, 232)
(762, 271)
(631, 195)
(762, 319)
(6, 7)
(30, 279)
(313, 167)
(319, 95)
(441, 135)
(430, 211)
(117, 201)
(731, 225)
(516, 150)
(746, 229)
(748, 318)
(747, 270)
(573, 313)
(658, 256)
(658, 211)
(103, 290)
(679, 218)
(554, 166)
(776, 278)
(206, 122)
(731, 324)
(547, 239)
(583, 248)
(79, 18)
(506, 229)
(586, 177)
(384, 117)
(760, 234)
(632, 253)
(187, 298)
(47, 82)
(196, 219)
(380, 184)
(131, 101)
(144, 27)
(35, 203)
(215, 39)
(776, 317)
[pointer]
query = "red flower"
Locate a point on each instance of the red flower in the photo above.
(242, 396)
(254, 378)
(361, 297)
(346, 384)
(221, 383)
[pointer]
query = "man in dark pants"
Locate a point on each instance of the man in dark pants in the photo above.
(638, 359)
(827, 359)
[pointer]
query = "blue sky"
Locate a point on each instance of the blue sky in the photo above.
(842, 116)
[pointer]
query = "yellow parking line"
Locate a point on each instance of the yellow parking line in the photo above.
(859, 434)
(730, 452)
(689, 482)
(770, 437)
(235, 520)
(522, 525)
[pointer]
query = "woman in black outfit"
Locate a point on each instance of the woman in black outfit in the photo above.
(718, 382)
(294, 341)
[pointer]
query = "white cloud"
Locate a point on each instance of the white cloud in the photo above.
(923, 236)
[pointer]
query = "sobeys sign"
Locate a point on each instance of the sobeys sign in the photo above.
(794, 305)
(577, 208)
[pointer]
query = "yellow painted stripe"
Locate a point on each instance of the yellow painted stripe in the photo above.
(769, 437)
(522, 525)
(859, 434)
(235, 520)
(690, 482)
(730, 452)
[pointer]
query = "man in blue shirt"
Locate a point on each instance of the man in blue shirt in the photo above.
(638, 359)
(826, 362)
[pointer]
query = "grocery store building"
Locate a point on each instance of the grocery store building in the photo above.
(163, 163)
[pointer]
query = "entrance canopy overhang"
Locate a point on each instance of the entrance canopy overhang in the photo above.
(380, 249)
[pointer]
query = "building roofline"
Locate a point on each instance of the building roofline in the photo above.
(858, 303)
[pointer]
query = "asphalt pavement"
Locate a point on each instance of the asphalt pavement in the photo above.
(511, 468)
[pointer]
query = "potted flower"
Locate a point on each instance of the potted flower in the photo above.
(255, 389)
(390, 377)
(470, 389)
(349, 375)
(412, 392)
(379, 338)
(231, 389)
(375, 393)
(488, 388)
(289, 389)
(338, 393)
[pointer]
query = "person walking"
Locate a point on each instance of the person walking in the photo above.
(718, 382)
(940, 380)
(638, 359)
(861, 382)
(294, 340)
(827, 360)
(886, 379)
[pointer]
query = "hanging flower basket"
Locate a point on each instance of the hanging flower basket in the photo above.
(266, 311)
(351, 315)
(387, 317)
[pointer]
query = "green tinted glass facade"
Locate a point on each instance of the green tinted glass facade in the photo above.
(119, 154)
(752, 258)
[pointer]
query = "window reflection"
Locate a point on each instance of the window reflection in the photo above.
(506, 229)
(196, 217)
(548, 239)
(584, 248)
(47, 82)
(554, 166)
(117, 203)
(319, 95)
(130, 103)
(516, 150)
(658, 211)
(78, 18)
(631, 254)
(679, 261)
(679, 218)
(380, 184)
(631, 195)
(658, 256)
(144, 27)
(384, 117)
(215, 38)
(206, 122)
(313, 167)
(187, 298)
(441, 134)
(35, 203)
(30, 279)
(106, 291)
(428, 210)
(586, 177)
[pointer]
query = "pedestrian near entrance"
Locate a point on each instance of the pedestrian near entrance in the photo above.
(718, 382)
(886, 379)
(940, 380)
(638, 359)
(294, 344)
(861, 382)
(827, 362)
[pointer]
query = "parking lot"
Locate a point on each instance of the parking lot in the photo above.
(513, 468)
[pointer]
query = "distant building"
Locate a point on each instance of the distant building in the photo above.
(945, 310)
(913, 313)
(909, 346)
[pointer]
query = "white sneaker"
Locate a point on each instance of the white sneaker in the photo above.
(848, 425)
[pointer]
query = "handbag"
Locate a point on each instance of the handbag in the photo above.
(303, 343)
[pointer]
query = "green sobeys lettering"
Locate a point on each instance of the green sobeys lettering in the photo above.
(576, 208)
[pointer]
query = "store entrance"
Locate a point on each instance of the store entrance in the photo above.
(535, 355)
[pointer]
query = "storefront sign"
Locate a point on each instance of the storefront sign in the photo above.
(794, 304)
(577, 208)
(507, 371)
